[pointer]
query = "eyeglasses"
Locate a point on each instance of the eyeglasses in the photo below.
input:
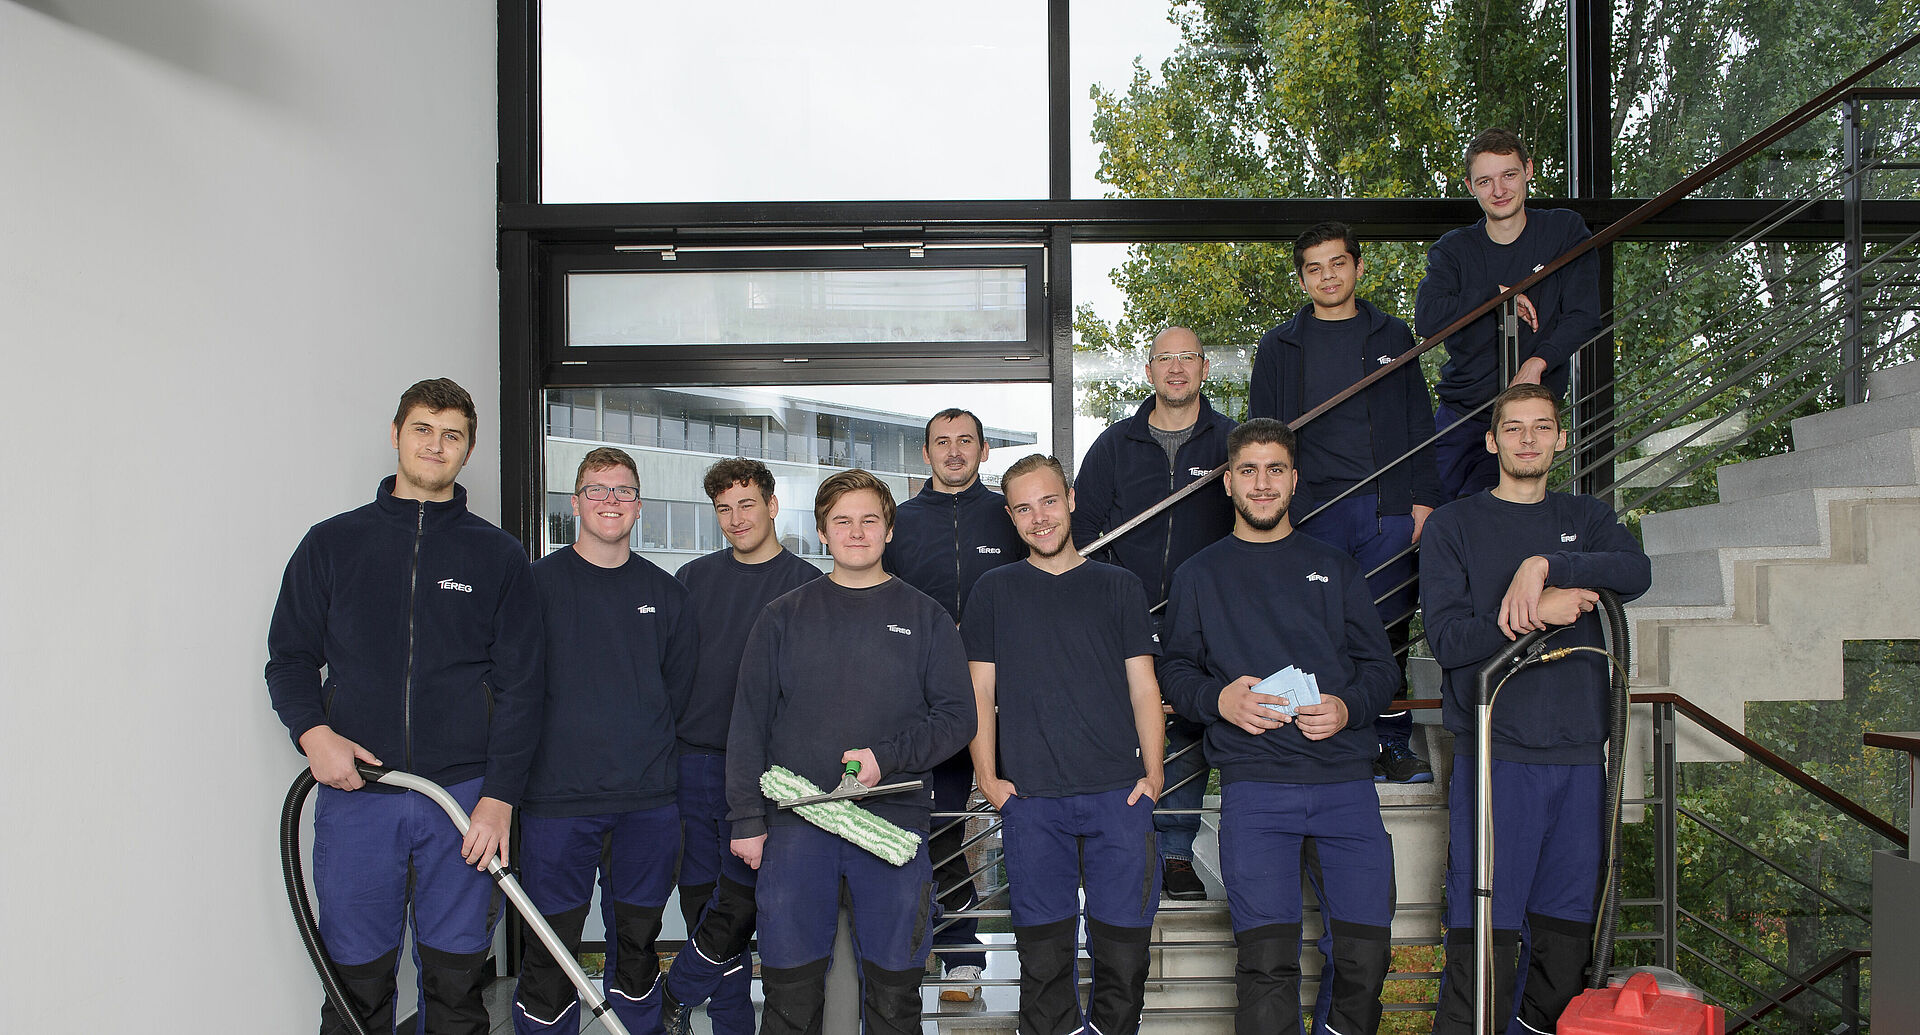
(620, 493)
(1168, 358)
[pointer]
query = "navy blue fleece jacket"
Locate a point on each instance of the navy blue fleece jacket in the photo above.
(944, 541)
(426, 621)
(1399, 410)
(1126, 471)
(1251, 609)
(828, 669)
(728, 597)
(621, 650)
(1466, 268)
(1554, 713)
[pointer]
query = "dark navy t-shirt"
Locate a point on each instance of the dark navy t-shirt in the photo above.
(1336, 448)
(1059, 645)
(728, 597)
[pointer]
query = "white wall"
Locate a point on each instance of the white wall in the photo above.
(231, 232)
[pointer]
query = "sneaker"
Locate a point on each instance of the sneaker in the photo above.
(1179, 882)
(1398, 764)
(675, 1018)
(962, 992)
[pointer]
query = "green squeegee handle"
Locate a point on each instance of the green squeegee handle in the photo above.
(853, 769)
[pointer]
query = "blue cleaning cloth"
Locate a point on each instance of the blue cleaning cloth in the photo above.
(1293, 688)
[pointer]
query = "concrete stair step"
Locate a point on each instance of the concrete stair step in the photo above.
(1889, 458)
(1879, 414)
(1784, 519)
(1901, 380)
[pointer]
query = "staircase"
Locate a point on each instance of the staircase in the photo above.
(1753, 596)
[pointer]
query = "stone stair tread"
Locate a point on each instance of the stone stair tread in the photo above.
(1897, 380)
(1880, 413)
(1888, 458)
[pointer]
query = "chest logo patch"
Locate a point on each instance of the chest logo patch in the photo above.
(1568, 537)
(901, 631)
(454, 585)
(645, 609)
(1540, 267)
(1198, 472)
(987, 549)
(1383, 360)
(1316, 577)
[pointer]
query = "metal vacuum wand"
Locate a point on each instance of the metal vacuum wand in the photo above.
(1510, 659)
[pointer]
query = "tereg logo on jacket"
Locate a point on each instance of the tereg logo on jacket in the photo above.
(451, 584)
(987, 549)
(1316, 577)
(645, 609)
(1568, 537)
(897, 629)
(1198, 472)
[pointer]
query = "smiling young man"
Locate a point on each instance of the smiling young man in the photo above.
(858, 666)
(728, 590)
(1258, 602)
(621, 650)
(1068, 749)
(1470, 265)
(426, 624)
(1495, 565)
(1174, 438)
(1333, 341)
(944, 538)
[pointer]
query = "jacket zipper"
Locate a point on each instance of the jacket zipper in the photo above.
(1166, 555)
(413, 597)
(956, 558)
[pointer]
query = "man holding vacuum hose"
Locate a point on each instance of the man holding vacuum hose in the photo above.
(621, 650)
(1496, 565)
(426, 623)
(728, 588)
(855, 667)
(1069, 750)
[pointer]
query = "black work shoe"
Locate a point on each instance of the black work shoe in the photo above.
(675, 1018)
(1179, 882)
(1398, 764)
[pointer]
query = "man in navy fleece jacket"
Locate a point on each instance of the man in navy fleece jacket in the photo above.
(1242, 609)
(621, 650)
(1470, 265)
(425, 621)
(858, 666)
(1496, 565)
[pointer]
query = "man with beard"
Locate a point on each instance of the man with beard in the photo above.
(1255, 604)
(944, 538)
(1499, 564)
(1068, 749)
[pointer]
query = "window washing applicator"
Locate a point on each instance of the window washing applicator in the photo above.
(834, 811)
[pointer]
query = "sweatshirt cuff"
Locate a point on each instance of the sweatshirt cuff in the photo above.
(503, 790)
(1557, 570)
(753, 826)
(1357, 716)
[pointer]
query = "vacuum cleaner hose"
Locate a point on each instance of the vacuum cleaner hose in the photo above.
(1619, 646)
(296, 882)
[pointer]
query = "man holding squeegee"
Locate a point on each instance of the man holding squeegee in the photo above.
(1274, 644)
(1069, 750)
(856, 667)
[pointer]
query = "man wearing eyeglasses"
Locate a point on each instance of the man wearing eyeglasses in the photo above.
(621, 653)
(1174, 438)
(426, 623)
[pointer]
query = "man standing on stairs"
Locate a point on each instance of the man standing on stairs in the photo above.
(1494, 566)
(944, 538)
(727, 589)
(1329, 344)
(1068, 748)
(1175, 438)
(424, 620)
(621, 651)
(1266, 606)
(1471, 265)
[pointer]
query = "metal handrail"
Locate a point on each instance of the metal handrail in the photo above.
(1825, 968)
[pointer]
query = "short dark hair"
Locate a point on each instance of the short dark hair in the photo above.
(1261, 431)
(1035, 462)
(738, 470)
(1497, 141)
(605, 458)
(1319, 234)
(955, 413)
(1519, 392)
(438, 394)
(847, 481)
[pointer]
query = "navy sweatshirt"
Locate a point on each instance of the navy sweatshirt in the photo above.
(828, 669)
(944, 541)
(728, 597)
(1466, 268)
(1059, 645)
(1398, 408)
(621, 649)
(1554, 713)
(1126, 471)
(425, 618)
(1251, 609)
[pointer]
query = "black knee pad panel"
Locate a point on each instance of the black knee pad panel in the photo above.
(1049, 1002)
(693, 899)
(796, 999)
(1266, 979)
(637, 967)
(1557, 957)
(544, 992)
(1120, 961)
(451, 983)
(1455, 1013)
(1361, 955)
(891, 1000)
(369, 988)
(727, 928)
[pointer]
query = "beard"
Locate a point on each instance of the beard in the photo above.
(1513, 468)
(1261, 524)
(1060, 543)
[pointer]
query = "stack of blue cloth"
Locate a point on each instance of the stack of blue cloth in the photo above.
(1292, 687)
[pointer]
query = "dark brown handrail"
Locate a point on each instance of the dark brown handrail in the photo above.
(1825, 967)
(1711, 171)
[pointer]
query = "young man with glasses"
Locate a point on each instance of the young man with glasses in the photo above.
(426, 624)
(1175, 437)
(621, 651)
(728, 589)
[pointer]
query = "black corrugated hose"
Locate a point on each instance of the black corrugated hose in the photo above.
(1609, 913)
(296, 881)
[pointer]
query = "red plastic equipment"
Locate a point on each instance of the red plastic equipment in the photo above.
(1640, 1007)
